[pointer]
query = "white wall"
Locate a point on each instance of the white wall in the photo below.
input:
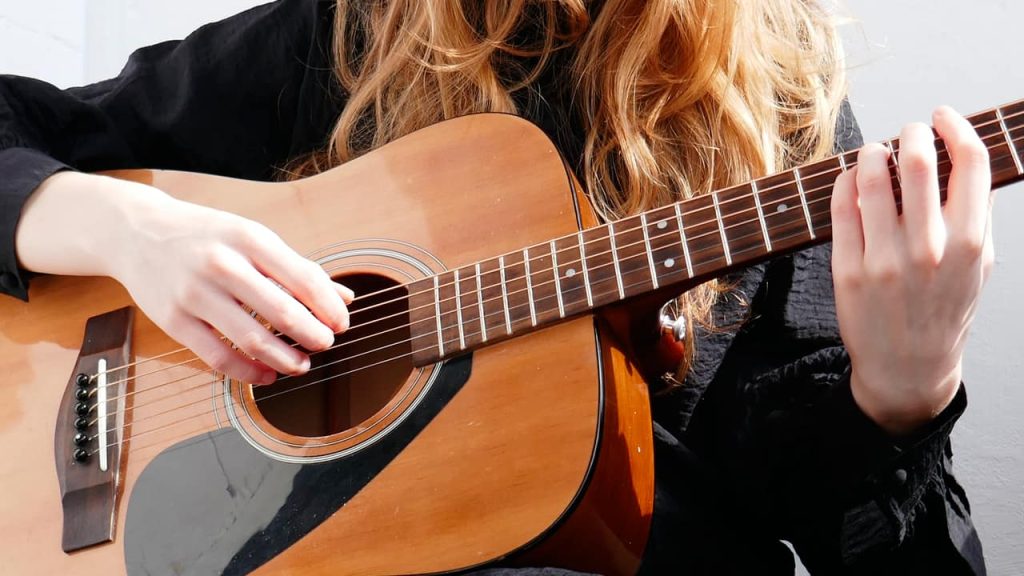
(906, 58)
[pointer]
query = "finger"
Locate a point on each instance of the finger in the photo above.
(877, 203)
(847, 231)
(276, 306)
(970, 184)
(346, 293)
(218, 354)
(922, 208)
(305, 280)
(252, 337)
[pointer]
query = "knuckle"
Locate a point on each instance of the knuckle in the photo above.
(189, 294)
(249, 235)
(219, 359)
(972, 152)
(847, 278)
(215, 263)
(255, 343)
(873, 172)
(924, 257)
(884, 271)
(917, 163)
(969, 246)
(287, 322)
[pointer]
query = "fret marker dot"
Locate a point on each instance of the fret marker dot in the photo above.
(782, 208)
(662, 225)
(570, 272)
(670, 263)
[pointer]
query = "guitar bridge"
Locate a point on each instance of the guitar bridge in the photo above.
(90, 430)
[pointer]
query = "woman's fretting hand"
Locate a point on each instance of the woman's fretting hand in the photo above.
(907, 285)
(189, 268)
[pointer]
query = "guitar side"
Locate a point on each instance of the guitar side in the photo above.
(523, 453)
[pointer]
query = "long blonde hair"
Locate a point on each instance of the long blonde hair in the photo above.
(674, 98)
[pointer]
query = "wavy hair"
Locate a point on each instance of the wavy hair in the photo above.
(674, 98)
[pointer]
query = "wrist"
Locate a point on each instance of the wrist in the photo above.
(81, 224)
(899, 410)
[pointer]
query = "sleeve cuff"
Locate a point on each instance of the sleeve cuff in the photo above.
(864, 452)
(886, 478)
(24, 169)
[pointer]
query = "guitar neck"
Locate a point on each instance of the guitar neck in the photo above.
(681, 244)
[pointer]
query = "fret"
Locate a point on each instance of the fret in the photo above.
(632, 255)
(760, 215)
(504, 296)
(1009, 143)
(569, 270)
(480, 304)
(437, 315)
(989, 126)
(423, 321)
(703, 234)
(842, 162)
(467, 296)
(803, 201)
(448, 314)
(493, 299)
(819, 181)
(586, 274)
(650, 255)
(615, 259)
(721, 229)
(666, 251)
(558, 281)
(741, 225)
(782, 213)
(529, 287)
(458, 312)
(517, 289)
(599, 264)
(894, 168)
(682, 238)
(451, 327)
(543, 285)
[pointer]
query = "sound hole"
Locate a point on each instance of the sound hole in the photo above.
(358, 376)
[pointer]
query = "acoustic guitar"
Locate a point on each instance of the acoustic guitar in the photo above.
(485, 407)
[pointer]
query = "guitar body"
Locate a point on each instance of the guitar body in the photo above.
(531, 451)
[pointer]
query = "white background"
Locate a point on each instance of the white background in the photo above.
(906, 58)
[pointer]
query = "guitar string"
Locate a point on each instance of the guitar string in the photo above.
(671, 233)
(821, 164)
(235, 402)
(390, 345)
(557, 251)
(993, 111)
(735, 240)
(780, 202)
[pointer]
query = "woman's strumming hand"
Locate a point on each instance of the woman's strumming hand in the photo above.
(189, 268)
(907, 285)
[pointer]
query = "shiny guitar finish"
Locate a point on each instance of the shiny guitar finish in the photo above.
(535, 450)
(504, 418)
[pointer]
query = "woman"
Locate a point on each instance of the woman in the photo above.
(799, 417)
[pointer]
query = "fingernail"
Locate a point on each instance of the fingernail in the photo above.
(348, 294)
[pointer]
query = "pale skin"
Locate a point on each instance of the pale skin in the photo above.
(906, 285)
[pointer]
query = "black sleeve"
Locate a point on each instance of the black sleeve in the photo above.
(237, 98)
(802, 461)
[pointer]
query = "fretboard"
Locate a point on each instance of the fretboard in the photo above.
(681, 244)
